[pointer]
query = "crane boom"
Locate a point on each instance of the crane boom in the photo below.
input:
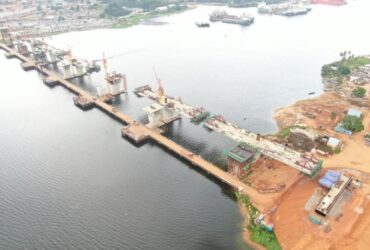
(160, 91)
(118, 55)
(69, 51)
(105, 64)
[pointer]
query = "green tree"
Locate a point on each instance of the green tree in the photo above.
(359, 92)
(353, 123)
(115, 10)
(326, 71)
(344, 70)
(333, 115)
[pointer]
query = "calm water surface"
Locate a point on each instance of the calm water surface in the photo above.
(69, 181)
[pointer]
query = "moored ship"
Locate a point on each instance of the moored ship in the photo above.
(283, 9)
(329, 2)
(223, 16)
(296, 11)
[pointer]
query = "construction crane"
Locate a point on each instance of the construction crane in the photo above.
(160, 91)
(105, 59)
(113, 79)
(69, 51)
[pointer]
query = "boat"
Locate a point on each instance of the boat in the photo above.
(217, 15)
(200, 117)
(296, 11)
(329, 2)
(223, 16)
(283, 9)
(243, 20)
(202, 25)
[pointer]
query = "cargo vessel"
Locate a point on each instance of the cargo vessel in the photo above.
(223, 16)
(283, 9)
(329, 2)
(296, 11)
(202, 25)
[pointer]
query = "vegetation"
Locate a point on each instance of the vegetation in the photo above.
(115, 10)
(343, 67)
(285, 132)
(325, 148)
(336, 151)
(146, 5)
(136, 19)
(243, 3)
(263, 237)
(359, 92)
(258, 233)
(353, 123)
(333, 115)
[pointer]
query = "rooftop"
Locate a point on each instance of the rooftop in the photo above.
(354, 112)
(333, 142)
(241, 153)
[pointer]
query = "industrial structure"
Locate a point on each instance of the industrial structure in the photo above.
(6, 37)
(240, 158)
(116, 82)
(166, 109)
(303, 162)
(163, 111)
(138, 130)
(336, 183)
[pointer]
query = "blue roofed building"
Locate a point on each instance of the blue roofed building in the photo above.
(340, 129)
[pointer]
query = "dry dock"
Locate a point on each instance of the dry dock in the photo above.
(261, 201)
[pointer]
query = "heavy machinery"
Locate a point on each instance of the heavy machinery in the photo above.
(160, 91)
(116, 82)
(6, 37)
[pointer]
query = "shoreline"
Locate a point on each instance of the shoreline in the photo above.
(321, 105)
(245, 233)
(137, 19)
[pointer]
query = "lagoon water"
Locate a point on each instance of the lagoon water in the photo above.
(69, 181)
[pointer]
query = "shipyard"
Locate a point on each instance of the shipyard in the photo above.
(221, 124)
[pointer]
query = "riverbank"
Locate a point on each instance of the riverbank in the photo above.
(321, 114)
(316, 113)
(246, 235)
(255, 233)
(140, 18)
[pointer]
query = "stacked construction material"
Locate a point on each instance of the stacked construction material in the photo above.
(330, 179)
(367, 139)
(200, 117)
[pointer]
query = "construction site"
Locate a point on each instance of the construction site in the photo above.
(270, 165)
(326, 210)
(281, 175)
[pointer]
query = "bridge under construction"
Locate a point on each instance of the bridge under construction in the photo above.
(261, 201)
(171, 109)
(304, 163)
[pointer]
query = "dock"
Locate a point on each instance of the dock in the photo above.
(27, 66)
(10, 55)
(83, 102)
(139, 132)
(135, 132)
